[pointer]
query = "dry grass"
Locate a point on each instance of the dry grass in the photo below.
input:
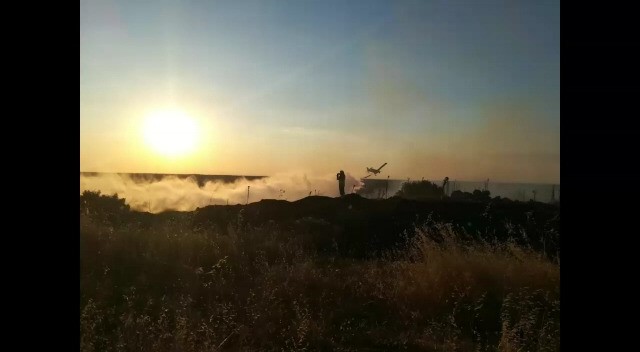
(170, 287)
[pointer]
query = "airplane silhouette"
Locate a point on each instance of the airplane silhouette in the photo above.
(375, 171)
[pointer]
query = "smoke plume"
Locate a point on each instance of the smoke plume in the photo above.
(184, 194)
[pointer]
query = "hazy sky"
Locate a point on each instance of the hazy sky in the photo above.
(465, 89)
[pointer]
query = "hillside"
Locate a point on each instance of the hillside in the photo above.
(328, 274)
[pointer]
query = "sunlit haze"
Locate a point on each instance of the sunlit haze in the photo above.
(464, 89)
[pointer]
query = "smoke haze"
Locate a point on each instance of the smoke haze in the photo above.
(174, 193)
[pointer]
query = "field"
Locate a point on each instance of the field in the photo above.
(321, 274)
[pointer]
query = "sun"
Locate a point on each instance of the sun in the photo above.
(170, 132)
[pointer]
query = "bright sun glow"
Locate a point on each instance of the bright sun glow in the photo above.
(170, 132)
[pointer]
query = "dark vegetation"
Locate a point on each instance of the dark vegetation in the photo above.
(420, 190)
(425, 190)
(330, 274)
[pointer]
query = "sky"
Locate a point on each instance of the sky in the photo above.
(464, 89)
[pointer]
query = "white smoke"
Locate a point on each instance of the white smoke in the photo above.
(173, 193)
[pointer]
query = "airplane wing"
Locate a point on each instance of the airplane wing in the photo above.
(382, 166)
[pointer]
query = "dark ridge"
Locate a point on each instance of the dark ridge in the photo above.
(199, 178)
(363, 226)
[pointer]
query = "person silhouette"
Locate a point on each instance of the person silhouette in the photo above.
(445, 183)
(340, 176)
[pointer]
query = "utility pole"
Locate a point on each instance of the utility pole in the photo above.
(387, 187)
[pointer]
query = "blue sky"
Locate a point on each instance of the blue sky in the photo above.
(431, 87)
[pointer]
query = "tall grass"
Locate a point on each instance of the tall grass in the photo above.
(164, 285)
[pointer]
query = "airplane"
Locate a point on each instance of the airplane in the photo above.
(375, 171)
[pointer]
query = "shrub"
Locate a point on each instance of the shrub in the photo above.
(421, 190)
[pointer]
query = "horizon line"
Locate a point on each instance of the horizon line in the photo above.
(267, 176)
